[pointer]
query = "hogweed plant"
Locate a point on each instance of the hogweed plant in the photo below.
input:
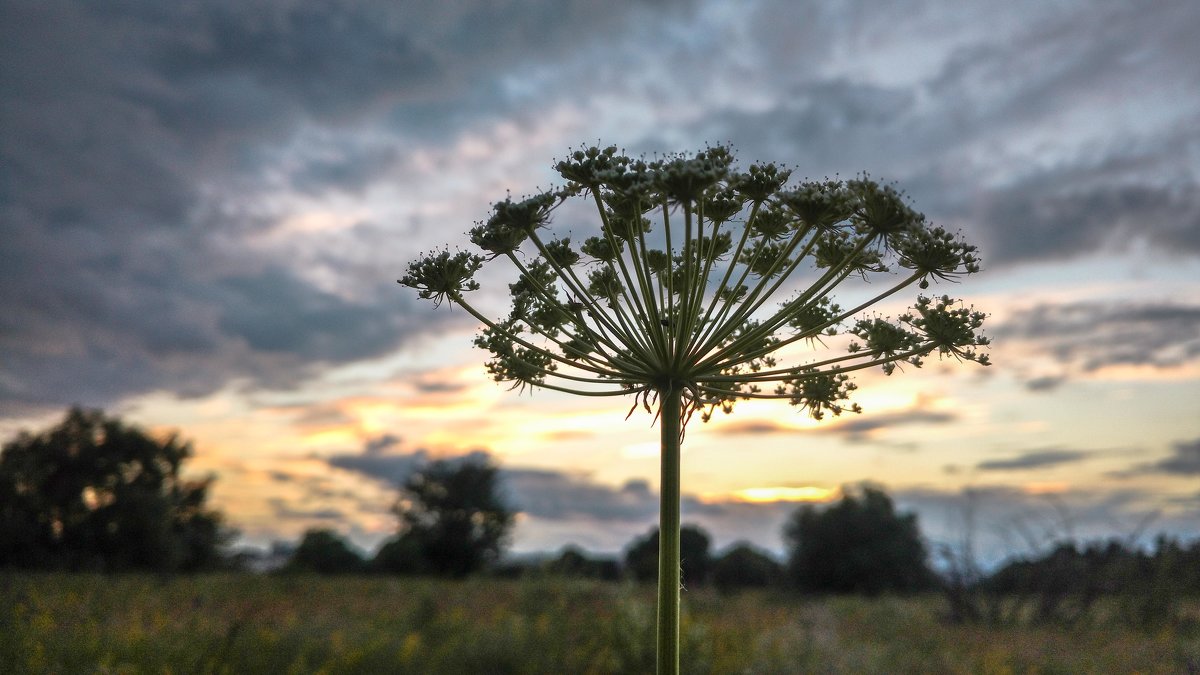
(700, 279)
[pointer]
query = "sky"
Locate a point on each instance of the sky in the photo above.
(204, 208)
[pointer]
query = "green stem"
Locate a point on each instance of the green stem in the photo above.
(668, 533)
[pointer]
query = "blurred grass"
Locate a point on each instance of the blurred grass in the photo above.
(59, 623)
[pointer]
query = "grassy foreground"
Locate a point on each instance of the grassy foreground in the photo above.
(249, 624)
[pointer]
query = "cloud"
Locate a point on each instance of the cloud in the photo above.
(1054, 217)
(851, 427)
(433, 383)
(1085, 337)
(555, 495)
(282, 510)
(861, 428)
(1034, 459)
(389, 468)
(1184, 460)
(152, 156)
(1024, 124)
(1045, 383)
(381, 444)
(754, 428)
(149, 151)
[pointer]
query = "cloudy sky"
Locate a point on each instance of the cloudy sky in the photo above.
(204, 207)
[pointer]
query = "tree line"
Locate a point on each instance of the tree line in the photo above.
(93, 493)
(858, 545)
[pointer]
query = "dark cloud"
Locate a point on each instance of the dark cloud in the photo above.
(1108, 187)
(138, 143)
(827, 128)
(112, 284)
(326, 60)
(852, 427)
(433, 384)
(754, 428)
(859, 427)
(1034, 459)
(1031, 133)
(1088, 336)
(94, 342)
(1052, 217)
(558, 496)
(346, 168)
(276, 312)
(392, 469)
(1184, 460)
(282, 510)
(143, 144)
(1045, 383)
(381, 444)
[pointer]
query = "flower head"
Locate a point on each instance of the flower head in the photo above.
(443, 274)
(675, 290)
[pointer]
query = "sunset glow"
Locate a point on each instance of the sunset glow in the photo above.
(785, 494)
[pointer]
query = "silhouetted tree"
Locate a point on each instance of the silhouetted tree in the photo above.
(95, 493)
(858, 545)
(453, 520)
(1062, 585)
(401, 555)
(325, 552)
(744, 566)
(573, 562)
(641, 559)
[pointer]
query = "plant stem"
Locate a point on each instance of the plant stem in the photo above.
(668, 533)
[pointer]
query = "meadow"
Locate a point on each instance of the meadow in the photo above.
(239, 623)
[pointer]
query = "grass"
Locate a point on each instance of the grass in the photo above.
(57, 623)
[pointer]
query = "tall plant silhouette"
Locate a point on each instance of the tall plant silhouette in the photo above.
(701, 286)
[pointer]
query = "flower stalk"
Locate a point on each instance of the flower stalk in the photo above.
(663, 305)
(669, 571)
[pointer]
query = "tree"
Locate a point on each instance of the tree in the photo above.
(401, 555)
(573, 562)
(95, 493)
(1062, 585)
(453, 520)
(744, 566)
(858, 545)
(641, 560)
(686, 295)
(323, 551)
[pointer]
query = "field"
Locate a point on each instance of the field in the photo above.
(251, 624)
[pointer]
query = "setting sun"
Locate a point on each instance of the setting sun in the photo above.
(806, 493)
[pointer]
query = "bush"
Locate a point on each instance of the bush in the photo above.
(744, 566)
(641, 559)
(858, 545)
(324, 552)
